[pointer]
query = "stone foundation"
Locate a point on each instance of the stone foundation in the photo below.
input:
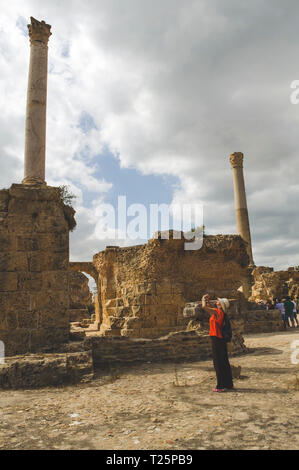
(34, 261)
(35, 370)
(262, 321)
(144, 288)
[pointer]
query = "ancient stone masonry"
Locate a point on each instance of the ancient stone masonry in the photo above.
(88, 268)
(175, 347)
(262, 321)
(34, 263)
(80, 296)
(144, 288)
(44, 370)
(269, 284)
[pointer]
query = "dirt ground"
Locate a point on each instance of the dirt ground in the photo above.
(165, 406)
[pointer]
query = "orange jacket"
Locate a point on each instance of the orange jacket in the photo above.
(216, 323)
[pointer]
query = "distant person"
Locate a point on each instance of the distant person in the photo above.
(280, 306)
(262, 304)
(219, 346)
(269, 305)
(289, 307)
(295, 312)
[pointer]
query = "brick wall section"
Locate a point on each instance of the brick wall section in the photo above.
(34, 258)
(262, 321)
(144, 288)
(80, 296)
(174, 347)
(269, 284)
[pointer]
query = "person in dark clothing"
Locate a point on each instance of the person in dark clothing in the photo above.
(289, 307)
(219, 346)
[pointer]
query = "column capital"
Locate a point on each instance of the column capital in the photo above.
(39, 31)
(236, 159)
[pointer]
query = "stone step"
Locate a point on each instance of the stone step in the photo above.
(43, 370)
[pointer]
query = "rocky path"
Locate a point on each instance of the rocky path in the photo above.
(165, 406)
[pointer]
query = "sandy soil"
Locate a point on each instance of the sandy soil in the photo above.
(165, 406)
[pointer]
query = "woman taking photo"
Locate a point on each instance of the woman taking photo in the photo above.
(219, 347)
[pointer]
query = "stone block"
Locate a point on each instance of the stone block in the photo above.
(50, 318)
(3, 222)
(14, 301)
(4, 198)
(131, 332)
(8, 281)
(29, 281)
(132, 299)
(177, 287)
(44, 261)
(21, 223)
(176, 299)
(77, 314)
(145, 288)
(152, 310)
(7, 241)
(163, 287)
(11, 320)
(116, 322)
(42, 338)
(137, 310)
(28, 319)
(12, 261)
(55, 280)
(16, 341)
(111, 303)
(133, 322)
(28, 243)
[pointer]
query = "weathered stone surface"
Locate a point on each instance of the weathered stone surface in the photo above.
(176, 346)
(262, 321)
(34, 371)
(269, 284)
(34, 276)
(143, 289)
(77, 314)
(80, 295)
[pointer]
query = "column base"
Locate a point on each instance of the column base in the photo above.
(33, 181)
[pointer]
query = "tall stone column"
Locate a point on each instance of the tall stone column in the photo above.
(236, 160)
(35, 138)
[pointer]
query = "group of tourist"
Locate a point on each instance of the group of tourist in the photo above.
(288, 308)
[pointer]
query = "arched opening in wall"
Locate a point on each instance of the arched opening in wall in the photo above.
(84, 296)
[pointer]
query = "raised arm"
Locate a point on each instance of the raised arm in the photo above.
(206, 307)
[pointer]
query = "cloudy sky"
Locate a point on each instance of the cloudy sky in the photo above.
(148, 98)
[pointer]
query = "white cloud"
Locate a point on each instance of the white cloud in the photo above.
(172, 87)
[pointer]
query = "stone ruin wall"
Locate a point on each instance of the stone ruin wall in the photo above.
(34, 259)
(80, 296)
(143, 289)
(269, 284)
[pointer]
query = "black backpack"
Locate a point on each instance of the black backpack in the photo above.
(226, 329)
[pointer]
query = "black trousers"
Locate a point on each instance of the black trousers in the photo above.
(221, 363)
